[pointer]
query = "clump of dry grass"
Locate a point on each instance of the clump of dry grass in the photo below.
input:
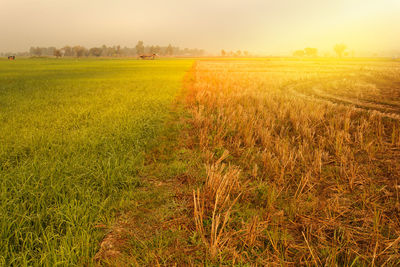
(216, 199)
(323, 174)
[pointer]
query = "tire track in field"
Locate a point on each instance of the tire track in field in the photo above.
(391, 156)
(385, 110)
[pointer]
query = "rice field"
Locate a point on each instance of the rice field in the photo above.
(72, 138)
(276, 161)
(302, 161)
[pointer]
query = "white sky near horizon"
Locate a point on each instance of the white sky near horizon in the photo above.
(260, 26)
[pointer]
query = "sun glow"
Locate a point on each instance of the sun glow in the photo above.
(269, 27)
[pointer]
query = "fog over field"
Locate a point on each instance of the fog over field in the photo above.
(264, 27)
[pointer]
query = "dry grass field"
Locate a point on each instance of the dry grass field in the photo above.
(302, 161)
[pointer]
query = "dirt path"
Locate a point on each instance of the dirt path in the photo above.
(158, 227)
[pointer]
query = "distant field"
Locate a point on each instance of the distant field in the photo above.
(72, 138)
(302, 160)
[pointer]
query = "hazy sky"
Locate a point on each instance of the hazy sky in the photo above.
(268, 26)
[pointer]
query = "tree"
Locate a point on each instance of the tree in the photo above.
(36, 51)
(339, 49)
(298, 53)
(153, 49)
(104, 50)
(68, 51)
(246, 53)
(311, 52)
(170, 50)
(79, 51)
(49, 51)
(111, 51)
(95, 51)
(223, 53)
(238, 53)
(57, 53)
(157, 49)
(139, 48)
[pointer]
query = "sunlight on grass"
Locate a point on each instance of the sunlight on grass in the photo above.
(314, 150)
(72, 139)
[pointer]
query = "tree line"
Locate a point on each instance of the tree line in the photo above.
(238, 53)
(339, 49)
(114, 51)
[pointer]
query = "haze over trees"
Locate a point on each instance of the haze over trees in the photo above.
(298, 53)
(79, 51)
(308, 51)
(238, 53)
(57, 53)
(139, 48)
(112, 51)
(311, 52)
(95, 51)
(340, 49)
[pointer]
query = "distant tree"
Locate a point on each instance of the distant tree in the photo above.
(79, 51)
(139, 48)
(111, 51)
(340, 49)
(49, 51)
(153, 49)
(311, 52)
(117, 50)
(157, 49)
(176, 51)
(223, 53)
(246, 53)
(238, 53)
(104, 50)
(298, 53)
(35, 51)
(170, 50)
(68, 52)
(95, 51)
(57, 53)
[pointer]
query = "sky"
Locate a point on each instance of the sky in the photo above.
(259, 26)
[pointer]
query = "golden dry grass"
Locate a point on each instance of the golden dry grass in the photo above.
(302, 161)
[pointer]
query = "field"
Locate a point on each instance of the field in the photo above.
(302, 161)
(72, 138)
(254, 162)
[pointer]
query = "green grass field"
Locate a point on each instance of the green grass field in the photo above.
(73, 134)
